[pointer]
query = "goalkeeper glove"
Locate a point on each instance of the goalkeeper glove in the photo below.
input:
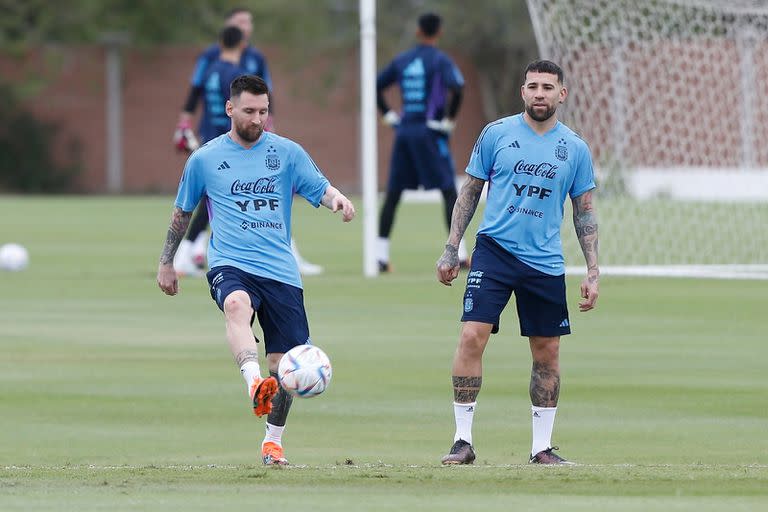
(184, 138)
(391, 118)
(444, 125)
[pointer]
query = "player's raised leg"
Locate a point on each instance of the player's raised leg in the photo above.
(238, 313)
(467, 380)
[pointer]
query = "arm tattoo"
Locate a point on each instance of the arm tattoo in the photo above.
(177, 229)
(245, 356)
(464, 209)
(585, 222)
(466, 389)
(545, 386)
(450, 257)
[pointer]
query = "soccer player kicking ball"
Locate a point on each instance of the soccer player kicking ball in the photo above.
(248, 177)
(531, 162)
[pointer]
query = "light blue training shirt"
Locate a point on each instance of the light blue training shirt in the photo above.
(249, 194)
(529, 176)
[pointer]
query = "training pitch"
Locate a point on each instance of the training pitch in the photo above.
(115, 396)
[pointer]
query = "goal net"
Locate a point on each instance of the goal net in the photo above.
(672, 97)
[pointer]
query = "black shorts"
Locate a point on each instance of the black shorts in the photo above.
(421, 158)
(278, 306)
(496, 274)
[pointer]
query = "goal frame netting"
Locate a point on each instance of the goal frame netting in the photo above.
(672, 97)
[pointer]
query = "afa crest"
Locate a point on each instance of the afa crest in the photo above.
(561, 152)
(272, 161)
(468, 304)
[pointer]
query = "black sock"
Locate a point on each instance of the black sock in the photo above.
(387, 219)
(281, 405)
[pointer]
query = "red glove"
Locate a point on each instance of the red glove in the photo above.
(184, 138)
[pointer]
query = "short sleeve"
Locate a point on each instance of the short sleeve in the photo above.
(452, 77)
(309, 181)
(387, 77)
(481, 160)
(192, 184)
(584, 177)
(201, 66)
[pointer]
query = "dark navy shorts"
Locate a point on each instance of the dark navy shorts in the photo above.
(420, 157)
(278, 306)
(496, 274)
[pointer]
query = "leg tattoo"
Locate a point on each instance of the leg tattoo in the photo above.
(466, 389)
(545, 385)
(245, 356)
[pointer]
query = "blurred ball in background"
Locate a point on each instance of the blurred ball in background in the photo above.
(13, 257)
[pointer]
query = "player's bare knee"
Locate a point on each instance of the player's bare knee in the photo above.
(472, 342)
(545, 350)
(236, 305)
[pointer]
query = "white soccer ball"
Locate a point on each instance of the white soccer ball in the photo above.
(304, 371)
(13, 257)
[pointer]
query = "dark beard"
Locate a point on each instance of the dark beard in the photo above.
(247, 135)
(540, 118)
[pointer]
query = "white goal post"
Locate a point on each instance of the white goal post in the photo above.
(672, 97)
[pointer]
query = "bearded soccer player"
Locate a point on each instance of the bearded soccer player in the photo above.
(190, 258)
(531, 162)
(248, 177)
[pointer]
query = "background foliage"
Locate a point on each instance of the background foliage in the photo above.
(494, 34)
(28, 158)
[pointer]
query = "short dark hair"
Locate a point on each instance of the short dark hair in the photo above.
(230, 37)
(429, 24)
(248, 83)
(544, 66)
(236, 10)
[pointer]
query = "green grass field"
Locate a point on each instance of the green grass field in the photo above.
(114, 396)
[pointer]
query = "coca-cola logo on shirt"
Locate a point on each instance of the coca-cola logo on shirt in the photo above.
(265, 185)
(542, 170)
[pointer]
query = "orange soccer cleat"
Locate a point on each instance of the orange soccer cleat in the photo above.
(262, 392)
(272, 454)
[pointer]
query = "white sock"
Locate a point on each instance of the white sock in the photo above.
(382, 249)
(464, 414)
(463, 256)
(274, 434)
(250, 371)
(543, 423)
